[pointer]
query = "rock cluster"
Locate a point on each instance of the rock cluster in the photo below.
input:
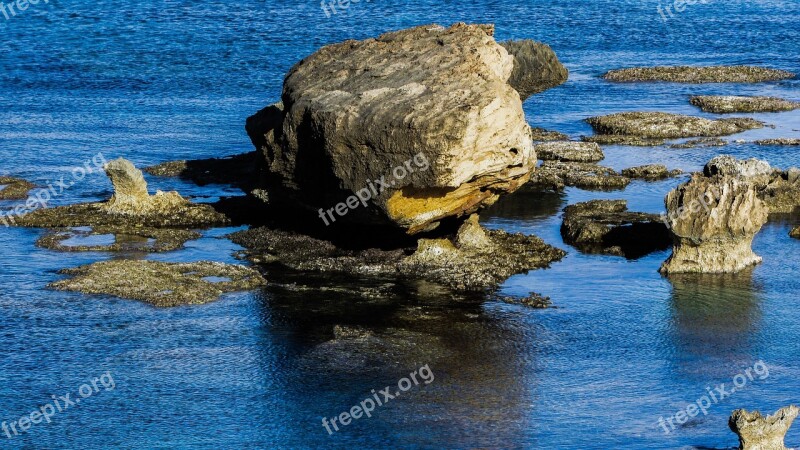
(757, 432)
(687, 74)
(721, 104)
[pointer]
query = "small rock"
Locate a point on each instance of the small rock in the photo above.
(569, 151)
(686, 74)
(612, 139)
(782, 141)
(762, 433)
(15, 188)
(542, 135)
(668, 126)
(651, 172)
(536, 67)
(722, 104)
(702, 142)
(533, 300)
(556, 174)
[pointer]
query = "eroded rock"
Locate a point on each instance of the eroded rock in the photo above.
(556, 175)
(651, 172)
(569, 151)
(542, 135)
(125, 239)
(536, 67)
(606, 226)
(687, 74)
(15, 188)
(611, 139)
(722, 104)
(356, 111)
(701, 142)
(757, 432)
(659, 125)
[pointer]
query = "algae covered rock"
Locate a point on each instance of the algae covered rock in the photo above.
(781, 141)
(160, 283)
(14, 188)
(543, 135)
(556, 175)
(360, 111)
(688, 74)
(722, 104)
(125, 239)
(757, 432)
(569, 151)
(536, 67)
(659, 125)
(651, 172)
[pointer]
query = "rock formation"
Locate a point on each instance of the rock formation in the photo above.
(659, 125)
(15, 188)
(361, 111)
(536, 67)
(762, 433)
(687, 74)
(651, 172)
(569, 151)
(722, 104)
(554, 175)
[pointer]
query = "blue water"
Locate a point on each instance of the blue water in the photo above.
(164, 80)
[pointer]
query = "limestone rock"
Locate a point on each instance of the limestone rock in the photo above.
(357, 111)
(659, 125)
(556, 174)
(569, 151)
(721, 104)
(543, 135)
(713, 221)
(651, 172)
(536, 67)
(762, 433)
(687, 74)
(782, 141)
(726, 165)
(14, 188)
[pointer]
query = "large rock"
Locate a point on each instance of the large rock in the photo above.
(354, 112)
(713, 220)
(762, 433)
(536, 67)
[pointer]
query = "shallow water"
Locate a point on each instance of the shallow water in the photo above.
(161, 80)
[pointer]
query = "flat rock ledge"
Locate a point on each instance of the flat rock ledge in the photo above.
(569, 151)
(724, 104)
(473, 260)
(651, 172)
(536, 67)
(15, 188)
(555, 175)
(687, 74)
(544, 135)
(659, 125)
(607, 227)
(781, 141)
(126, 239)
(713, 220)
(159, 283)
(618, 139)
(757, 432)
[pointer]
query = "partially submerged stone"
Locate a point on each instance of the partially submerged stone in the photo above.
(701, 142)
(569, 151)
(781, 141)
(125, 239)
(795, 233)
(757, 432)
(616, 139)
(722, 104)
(556, 175)
(651, 172)
(160, 283)
(536, 67)
(14, 188)
(606, 226)
(533, 300)
(687, 74)
(360, 111)
(661, 125)
(543, 135)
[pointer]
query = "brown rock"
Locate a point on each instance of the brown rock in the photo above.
(536, 67)
(762, 433)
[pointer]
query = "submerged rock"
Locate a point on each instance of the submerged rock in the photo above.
(606, 226)
(686, 74)
(713, 221)
(159, 283)
(569, 151)
(651, 172)
(615, 139)
(668, 126)
(721, 104)
(126, 239)
(782, 141)
(536, 67)
(533, 300)
(757, 432)
(556, 174)
(367, 110)
(702, 142)
(15, 188)
(542, 135)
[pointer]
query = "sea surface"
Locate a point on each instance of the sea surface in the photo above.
(154, 81)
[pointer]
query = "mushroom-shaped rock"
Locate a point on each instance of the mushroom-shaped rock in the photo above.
(757, 432)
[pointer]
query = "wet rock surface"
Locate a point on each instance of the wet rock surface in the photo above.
(126, 239)
(607, 227)
(661, 125)
(159, 283)
(651, 172)
(543, 135)
(702, 142)
(635, 141)
(533, 300)
(536, 67)
(757, 432)
(15, 188)
(555, 175)
(569, 151)
(352, 114)
(710, 74)
(781, 141)
(723, 104)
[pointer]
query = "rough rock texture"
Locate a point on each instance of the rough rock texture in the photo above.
(713, 221)
(569, 151)
(15, 188)
(542, 135)
(782, 141)
(473, 260)
(126, 239)
(795, 233)
(721, 104)
(701, 142)
(661, 125)
(727, 165)
(686, 74)
(533, 300)
(612, 139)
(651, 172)
(160, 283)
(555, 175)
(536, 67)
(355, 111)
(606, 226)
(762, 433)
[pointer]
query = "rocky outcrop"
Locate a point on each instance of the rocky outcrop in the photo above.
(781, 141)
(125, 239)
(757, 432)
(687, 74)
(779, 190)
(701, 142)
(536, 67)
(12, 188)
(722, 104)
(659, 125)
(713, 220)
(543, 135)
(606, 226)
(555, 175)
(611, 139)
(361, 111)
(569, 151)
(651, 172)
